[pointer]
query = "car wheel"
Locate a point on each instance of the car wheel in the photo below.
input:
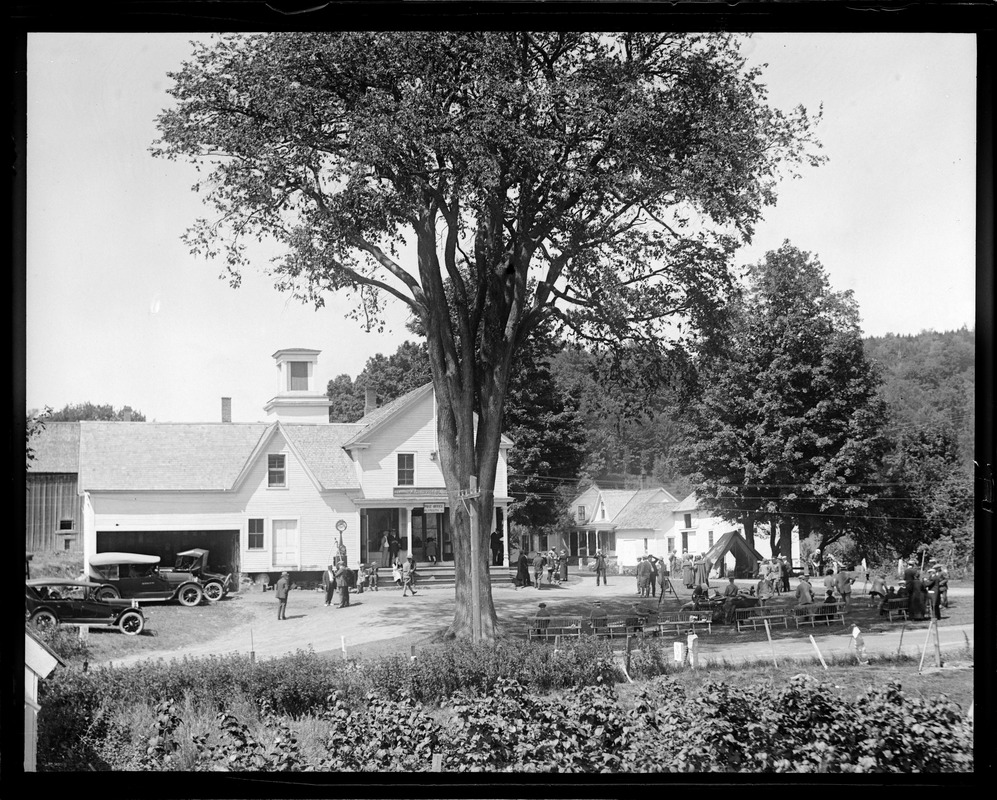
(108, 593)
(131, 623)
(190, 595)
(213, 590)
(44, 620)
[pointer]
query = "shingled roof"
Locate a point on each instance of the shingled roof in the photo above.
(176, 456)
(649, 509)
(56, 448)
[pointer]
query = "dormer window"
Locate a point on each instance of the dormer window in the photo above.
(276, 473)
(297, 376)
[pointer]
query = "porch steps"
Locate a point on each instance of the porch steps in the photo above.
(443, 575)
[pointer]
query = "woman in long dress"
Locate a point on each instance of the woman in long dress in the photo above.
(523, 571)
(701, 570)
(688, 576)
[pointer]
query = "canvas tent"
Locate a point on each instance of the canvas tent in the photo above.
(732, 551)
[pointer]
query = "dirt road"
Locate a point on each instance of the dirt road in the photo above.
(386, 615)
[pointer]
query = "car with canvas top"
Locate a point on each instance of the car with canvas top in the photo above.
(52, 601)
(138, 576)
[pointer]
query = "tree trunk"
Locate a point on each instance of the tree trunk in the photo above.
(749, 528)
(785, 547)
(773, 529)
(460, 527)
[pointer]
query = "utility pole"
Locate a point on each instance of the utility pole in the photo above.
(470, 498)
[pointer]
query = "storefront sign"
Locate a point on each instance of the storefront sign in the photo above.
(414, 491)
(433, 508)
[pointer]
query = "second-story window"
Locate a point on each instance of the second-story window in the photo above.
(276, 473)
(688, 520)
(297, 376)
(581, 514)
(406, 469)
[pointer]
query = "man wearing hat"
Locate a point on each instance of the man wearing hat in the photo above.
(600, 568)
(541, 619)
(281, 589)
(804, 592)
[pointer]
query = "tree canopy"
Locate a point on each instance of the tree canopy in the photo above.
(489, 181)
(788, 429)
(91, 411)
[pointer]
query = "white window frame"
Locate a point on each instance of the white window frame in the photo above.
(270, 471)
(263, 533)
(398, 469)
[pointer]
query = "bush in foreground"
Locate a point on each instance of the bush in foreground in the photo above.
(513, 707)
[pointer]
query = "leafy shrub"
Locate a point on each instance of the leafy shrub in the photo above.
(65, 642)
(508, 707)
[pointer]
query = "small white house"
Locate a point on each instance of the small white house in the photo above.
(279, 494)
(627, 523)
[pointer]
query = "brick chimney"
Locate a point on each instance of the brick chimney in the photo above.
(369, 400)
(226, 409)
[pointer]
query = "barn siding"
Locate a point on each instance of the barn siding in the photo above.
(52, 497)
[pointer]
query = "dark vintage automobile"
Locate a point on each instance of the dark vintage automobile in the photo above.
(134, 575)
(50, 601)
(195, 562)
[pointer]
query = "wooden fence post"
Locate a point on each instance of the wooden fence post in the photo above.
(768, 632)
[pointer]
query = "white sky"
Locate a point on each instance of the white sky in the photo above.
(119, 312)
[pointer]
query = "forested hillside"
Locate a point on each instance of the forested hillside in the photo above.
(929, 381)
(575, 423)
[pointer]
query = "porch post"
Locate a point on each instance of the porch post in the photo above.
(407, 525)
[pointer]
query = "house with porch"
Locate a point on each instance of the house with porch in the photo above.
(281, 494)
(627, 523)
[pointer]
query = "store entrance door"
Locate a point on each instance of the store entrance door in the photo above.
(431, 526)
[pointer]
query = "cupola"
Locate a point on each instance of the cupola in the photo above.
(297, 398)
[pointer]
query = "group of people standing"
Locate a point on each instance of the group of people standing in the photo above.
(695, 569)
(923, 591)
(652, 572)
(530, 572)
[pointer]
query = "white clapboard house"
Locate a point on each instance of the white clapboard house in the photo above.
(280, 494)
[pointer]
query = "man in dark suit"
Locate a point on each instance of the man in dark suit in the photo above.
(496, 545)
(281, 589)
(600, 568)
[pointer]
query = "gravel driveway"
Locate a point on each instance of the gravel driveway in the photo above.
(386, 615)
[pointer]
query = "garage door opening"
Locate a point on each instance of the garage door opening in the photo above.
(222, 547)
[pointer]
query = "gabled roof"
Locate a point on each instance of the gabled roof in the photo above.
(173, 456)
(615, 500)
(321, 450)
(689, 503)
(57, 448)
(376, 418)
(380, 416)
(650, 509)
(588, 498)
(204, 456)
